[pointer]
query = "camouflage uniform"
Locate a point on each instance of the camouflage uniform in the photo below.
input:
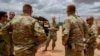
(25, 30)
(10, 45)
(6, 43)
(91, 40)
(74, 31)
(52, 35)
(2, 42)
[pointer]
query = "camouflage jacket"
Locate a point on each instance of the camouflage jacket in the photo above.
(53, 24)
(92, 33)
(1, 39)
(24, 29)
(74, 30)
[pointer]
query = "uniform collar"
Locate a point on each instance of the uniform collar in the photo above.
(24, 14)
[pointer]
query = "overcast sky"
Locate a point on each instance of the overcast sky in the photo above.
(49, 8)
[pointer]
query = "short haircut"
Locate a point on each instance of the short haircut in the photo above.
(11, 12)
(71, 8)
(90, 18)
(26, 7)
(2, 13)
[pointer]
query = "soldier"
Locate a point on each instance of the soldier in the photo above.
(3, 42)
(25, 32)
(74, 31)
(52, 34)
(91, 40)
(11, 15)
(9, 47)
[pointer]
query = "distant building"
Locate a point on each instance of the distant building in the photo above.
(97, 21)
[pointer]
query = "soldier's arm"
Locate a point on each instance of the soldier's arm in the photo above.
(57, 27)
(95, 29)
(93, 34)
(66, 30)
(49, 26)
(86, 31)
(54, 28)
(6, 27)
(4, 30)
(38, 28)
(39, 33)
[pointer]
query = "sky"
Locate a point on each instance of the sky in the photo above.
(57, 8)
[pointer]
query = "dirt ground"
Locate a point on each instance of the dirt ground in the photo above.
(59, 49)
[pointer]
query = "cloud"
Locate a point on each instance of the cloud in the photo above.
(95, 9)
(28, 1)
(86, 1)
(18, 12)
(98, 7)
(40, 6)
(55, 10)
(49, 8)
(4, 1)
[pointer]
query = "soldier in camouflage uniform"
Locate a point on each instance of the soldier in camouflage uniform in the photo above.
(4, 38)
(11, 15)
(10, 48)
(74, 31)
(25, 32)
(52, 34)
(91, 40)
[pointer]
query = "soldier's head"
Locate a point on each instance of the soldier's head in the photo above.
(11, 14)
(53, 18)
(71, 9)
(27, 9)
(90, 20)
(3, 16)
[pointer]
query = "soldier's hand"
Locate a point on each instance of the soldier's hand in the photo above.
(64, 44)
(42, 38)
(64, 39)
(98, 46)
(52, 28)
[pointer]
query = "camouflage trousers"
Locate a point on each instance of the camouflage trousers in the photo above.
(23, 51)
(49, 38)
(90, 49)
(76, 52)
